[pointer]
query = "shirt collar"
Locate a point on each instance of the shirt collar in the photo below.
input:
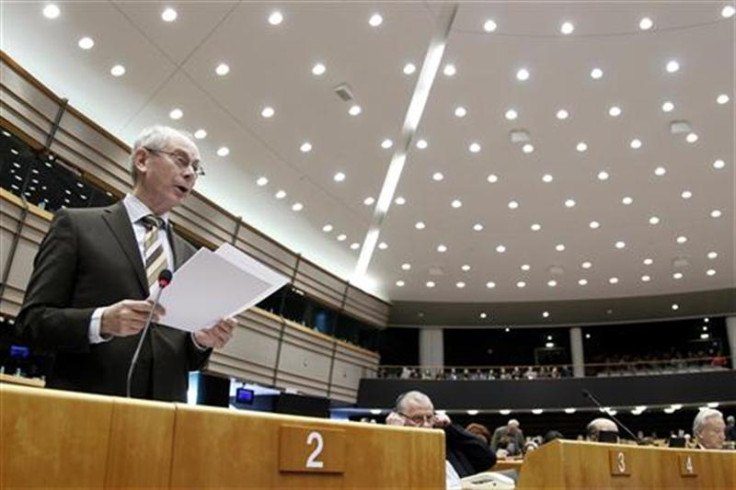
(137, 209)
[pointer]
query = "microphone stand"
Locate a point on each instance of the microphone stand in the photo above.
(587, 394)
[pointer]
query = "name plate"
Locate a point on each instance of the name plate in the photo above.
(620, 462)
(687, 465)
(305, 449)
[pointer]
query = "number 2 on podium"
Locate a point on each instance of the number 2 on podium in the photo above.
(312, 462)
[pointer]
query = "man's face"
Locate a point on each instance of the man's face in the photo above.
(418, 413)
(712, 435)
(163, 178)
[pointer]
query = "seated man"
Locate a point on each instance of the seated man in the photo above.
(602, 430)
(513, 434)
(709, 429)
(466, 453)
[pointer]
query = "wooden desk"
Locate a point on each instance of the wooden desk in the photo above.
(52, 439)
(508, 464)
(17, 380)
(586, 465)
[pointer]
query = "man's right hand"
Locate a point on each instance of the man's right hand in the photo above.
(127, 317)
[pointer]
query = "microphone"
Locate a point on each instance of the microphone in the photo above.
(164, 279)
(587, 394)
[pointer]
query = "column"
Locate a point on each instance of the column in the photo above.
(431, 347)
(576, 346)
(731, 331)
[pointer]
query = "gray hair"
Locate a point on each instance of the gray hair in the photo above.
(155, 137)
(513, 422)
(415, 395)
(701, 418)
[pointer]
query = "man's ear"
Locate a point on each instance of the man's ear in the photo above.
(140, 160)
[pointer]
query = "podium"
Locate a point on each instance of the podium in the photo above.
(55, 439)
(586, 465)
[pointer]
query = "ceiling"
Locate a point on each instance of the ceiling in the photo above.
(172, 65)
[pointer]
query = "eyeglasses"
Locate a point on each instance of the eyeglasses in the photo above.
(181, 160)
(419, 419)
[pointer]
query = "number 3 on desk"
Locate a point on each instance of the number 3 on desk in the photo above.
(312, 461)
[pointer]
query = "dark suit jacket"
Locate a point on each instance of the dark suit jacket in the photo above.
(89, 259)
(466, 452)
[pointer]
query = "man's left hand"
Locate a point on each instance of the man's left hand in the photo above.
(218, 335)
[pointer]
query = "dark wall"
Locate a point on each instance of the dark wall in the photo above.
(399, 346)
(557, 393)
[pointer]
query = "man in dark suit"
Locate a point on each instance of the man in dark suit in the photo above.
(86, 298)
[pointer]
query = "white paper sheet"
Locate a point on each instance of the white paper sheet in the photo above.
(214, 285)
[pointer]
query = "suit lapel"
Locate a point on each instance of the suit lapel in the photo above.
(178, 247)
(118, 221)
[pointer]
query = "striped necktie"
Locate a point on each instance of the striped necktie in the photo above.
(153, 249)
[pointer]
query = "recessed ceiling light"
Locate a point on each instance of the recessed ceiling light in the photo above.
(691, 137)
(422, 144)
(551, 283)
(672, 66)
(169, 15)
(86, 43)
(409, 68)
(560, 247)
(594, 225)
(200, 134)
(660, 171)
(675, 306)
(478, 227)
(355, 246)
(614, 111)
(513, 205)
(449, 70)
(306, 147)
(474, 148)
(723, 99)
(339, 177)
(677, 275)
(460, 111)
(596, 73)
(490, 284)
(719, 164)
(275, 18)
(327, 228)
(521, 284)
(511, 114)
(654, 220)
(342, 237)
(400, 201)
(430, 284)
(711, 272)
(354, 110)
(51, 11)
(668, 106)
(570, 203)
(581, 147)
(117, 71)
(456, 203)
(603, 175)
(645, 278)
(613, 280)
(406, 266)
(686, 194)
(728, 11)
(492, 178)
(222, 69)
(383, 246)
(635, 144)
(368, 201)
(536, 227)
(437, 176)
(620, 245)
(280, 194)
(525, 267)
(400, 284)
(562, 114)
(586, 265)
(319, 69)
(583, 282)
(681, 239)
(547, 178)
(386, 144)
(627, 201)
(419, 225)
(375, 20)
(567, 28)
(489, 25)
(176, 114)
(522, 74)
(646, 23)
(712, 255)
(261, 181)
(483, 315)
(500, 249)
(268, 112)
(223, 151)
(460, 285)
(527, 148)
(716, 213)
(648, 261)
(465, 268)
